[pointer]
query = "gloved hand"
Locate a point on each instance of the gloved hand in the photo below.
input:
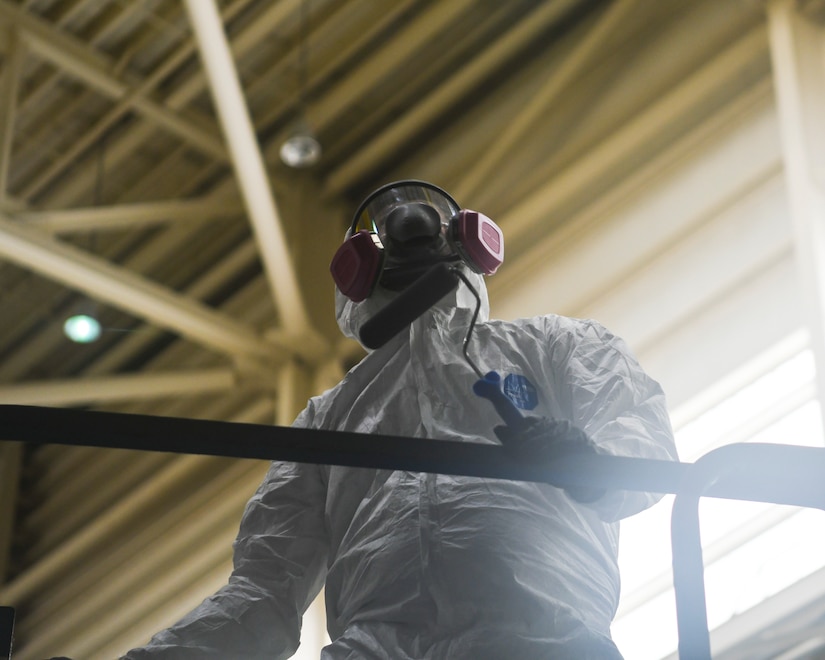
(543, 439)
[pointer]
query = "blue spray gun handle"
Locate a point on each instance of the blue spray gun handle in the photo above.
(489, 387)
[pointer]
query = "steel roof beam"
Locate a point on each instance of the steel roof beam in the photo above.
(75, 391)
(121, 216)
(104, 281)
(250, 171)
(90, 66)
(122, 147)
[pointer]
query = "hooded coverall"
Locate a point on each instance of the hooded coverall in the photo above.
(428, 565)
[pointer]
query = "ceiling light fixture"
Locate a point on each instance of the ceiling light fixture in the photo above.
(301, 149)
(82, 328)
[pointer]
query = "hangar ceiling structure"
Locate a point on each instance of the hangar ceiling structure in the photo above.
(633, 152)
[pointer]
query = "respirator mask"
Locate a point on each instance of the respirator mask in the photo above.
(402, 230)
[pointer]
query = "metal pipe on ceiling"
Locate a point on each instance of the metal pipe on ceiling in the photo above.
(375, 19)
(96, 629)
(55, 464)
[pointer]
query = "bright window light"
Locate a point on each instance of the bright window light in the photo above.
(752, 550)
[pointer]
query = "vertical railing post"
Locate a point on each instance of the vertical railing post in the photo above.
(6, 632)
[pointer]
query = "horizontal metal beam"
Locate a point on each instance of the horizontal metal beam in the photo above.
(121, 216)
(118, 388)
(93, 68)
(129, 291)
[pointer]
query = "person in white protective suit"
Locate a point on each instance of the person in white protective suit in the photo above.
(427, 565)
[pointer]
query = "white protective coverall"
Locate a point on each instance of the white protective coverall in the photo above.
(434, 566)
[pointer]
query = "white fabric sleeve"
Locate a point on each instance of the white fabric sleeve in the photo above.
(620, 408)
(279, 567)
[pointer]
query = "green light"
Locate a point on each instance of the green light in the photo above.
(82, 329)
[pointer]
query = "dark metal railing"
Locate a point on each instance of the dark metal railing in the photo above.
(6, 632)
(784, 474)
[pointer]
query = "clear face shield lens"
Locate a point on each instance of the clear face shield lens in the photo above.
(374, 215)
